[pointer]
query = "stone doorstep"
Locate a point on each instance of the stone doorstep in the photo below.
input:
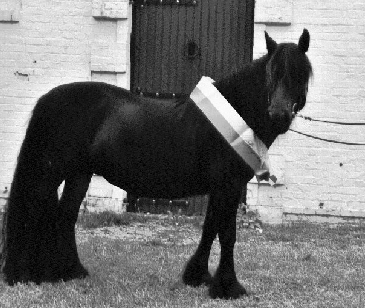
(275, 215)
(324, 212)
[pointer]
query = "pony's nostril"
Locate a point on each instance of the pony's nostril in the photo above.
(281, 121)
(277, 116)
(295, 107)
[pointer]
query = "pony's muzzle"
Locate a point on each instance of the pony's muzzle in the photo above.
(281, 120)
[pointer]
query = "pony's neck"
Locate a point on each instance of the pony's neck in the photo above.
(246, 91)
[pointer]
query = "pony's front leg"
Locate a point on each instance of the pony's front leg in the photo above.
(225, 284)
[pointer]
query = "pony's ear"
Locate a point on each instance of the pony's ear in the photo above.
(304, 41)
(270, 44)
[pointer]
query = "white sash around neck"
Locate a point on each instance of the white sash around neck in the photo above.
(232, 127)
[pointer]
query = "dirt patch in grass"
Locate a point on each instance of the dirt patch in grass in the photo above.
(137, 232)
(156, 229)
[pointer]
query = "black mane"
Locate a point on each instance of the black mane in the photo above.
(247, 93)
(248, 89)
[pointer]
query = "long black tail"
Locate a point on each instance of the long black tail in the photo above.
(33, 197)
(38, 232)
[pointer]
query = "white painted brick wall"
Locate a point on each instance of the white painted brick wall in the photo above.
(316, 171)
(47, 43)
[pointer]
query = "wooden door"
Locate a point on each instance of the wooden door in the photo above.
(176, 42)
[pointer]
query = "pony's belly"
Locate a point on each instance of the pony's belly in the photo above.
(158, 183)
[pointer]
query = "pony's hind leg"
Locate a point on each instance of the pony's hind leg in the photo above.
(73, 193)
(196, 270)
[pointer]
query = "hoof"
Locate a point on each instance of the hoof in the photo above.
(78, 272)
(11, 280)
(226, 288)
(197, 280)
(56, 274)
(195, 275)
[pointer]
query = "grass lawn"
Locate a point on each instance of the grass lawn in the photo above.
(135, 263)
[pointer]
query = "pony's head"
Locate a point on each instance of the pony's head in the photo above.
(287, 75)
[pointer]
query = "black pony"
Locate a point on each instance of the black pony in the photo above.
(148, 147)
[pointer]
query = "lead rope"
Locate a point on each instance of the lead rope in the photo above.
(327, 140)
(330, 122)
